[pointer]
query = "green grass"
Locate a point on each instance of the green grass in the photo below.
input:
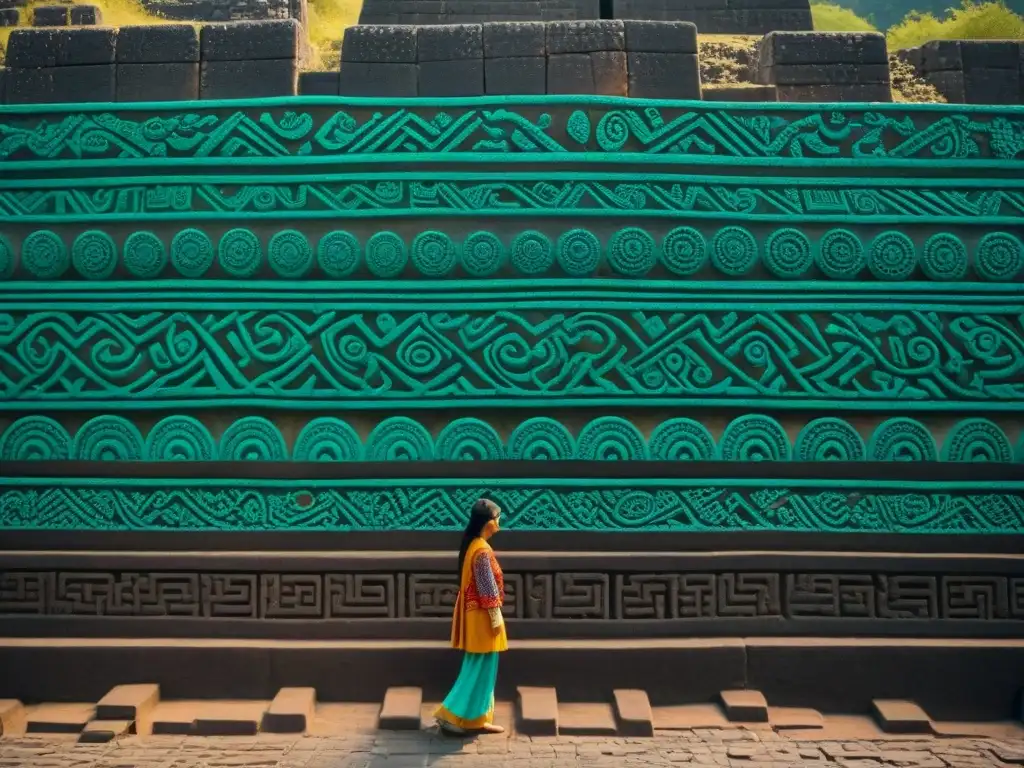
(829, 17)
(982, 21)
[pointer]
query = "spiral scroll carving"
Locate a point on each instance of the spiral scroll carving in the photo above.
(327, 439)
(754, 438)
(541, 438)
(632, 252)
(829, 439)
(734, 251)
(94, 255)
(532, 253)
(684, 251)
(841, 255)
(399, 439)
(892, 256)
(944, 257)
(191, 253)
(252, 438)
(290, 254)
(977, 440)
(144, 255)
(681, 440)
(483, 254)
(239, 253)
(1000, 256)
(469, 440)
(108, 438)
(35, 438)
(434, 254)
(386, 255)
(337, 253)
(901, 439)
(180, 438)
(610, 438)
(44, 255)
(579, 252)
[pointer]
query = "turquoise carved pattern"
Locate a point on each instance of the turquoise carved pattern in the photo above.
(544, 505)
(551, 125)
(630, 252)
(876, 351)
(752, 437)
(504, 193)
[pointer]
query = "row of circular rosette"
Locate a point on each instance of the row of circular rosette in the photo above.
(752, 437)
(731, 251)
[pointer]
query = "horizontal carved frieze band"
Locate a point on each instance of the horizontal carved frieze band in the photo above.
(645, 349)
(503, 193)
(599, 596)
(550, 126)
(752, 437)
(687, 251)
(550, 504)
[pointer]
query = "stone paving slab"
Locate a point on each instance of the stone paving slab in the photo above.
(700, 748)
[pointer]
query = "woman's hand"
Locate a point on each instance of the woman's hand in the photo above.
(497, 620)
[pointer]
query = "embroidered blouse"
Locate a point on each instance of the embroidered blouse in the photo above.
(486, 588)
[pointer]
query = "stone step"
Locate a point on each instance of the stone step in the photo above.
(103, 731)
(401, 709)
(128, 702)
(745, 706)
(900, 716)
(12, 717)
(580, 719)
(291, 711)
(633, 712)
(537, 711)
(59, 718)
(218, 717)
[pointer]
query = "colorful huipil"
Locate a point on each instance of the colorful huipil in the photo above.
(479, 630)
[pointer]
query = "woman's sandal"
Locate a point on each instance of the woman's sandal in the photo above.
(492, 728)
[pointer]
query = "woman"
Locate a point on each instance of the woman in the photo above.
(477, 627)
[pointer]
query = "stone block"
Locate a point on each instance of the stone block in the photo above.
(171, 81)
(155, 44)
(86, 46)
(86, 16)
(661, 37)
(821, 48)
(823, 74)
(450, 42)
(744, 93)
(522, 76)
(9, 17)
(32, 48)
(451, 78)
(390, 44)
(900, 716)
(12, 712)
(128, 702)
(744, 706)
(292, 709)
(991, 86)
(911, 56)
(537, 711)
(50, 16)
(570, 73)
(854, 92)
(610, 72)
(663, 76)
(585, 37)
(950, 83)
(400, 710)
(247, 79)
(633, 709)
(384, 79)
(272, 40)
(319, 83)
(53, 85)
(941, 55)
(510, 40)
(990, 54)
(58, 718)
(104, 731)
(579, 719)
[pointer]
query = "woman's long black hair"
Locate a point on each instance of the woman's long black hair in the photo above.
(481, 514)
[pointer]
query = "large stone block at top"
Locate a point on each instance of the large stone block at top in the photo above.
(586, 36)
(380, 43)
(822, 48)
(661, 37)
(990, 54)
(30, 48)
(157, 44)
(514, 39)
(250, 40)
(450, 42)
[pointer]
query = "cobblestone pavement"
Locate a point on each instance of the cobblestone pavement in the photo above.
(693, 749)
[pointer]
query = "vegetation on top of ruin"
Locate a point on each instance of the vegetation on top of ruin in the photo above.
(829, 17)
(971, 21)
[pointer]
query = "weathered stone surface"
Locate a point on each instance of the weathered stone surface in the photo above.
(992, 86)
(384, 79)
(823, 74)
(454, 42)
(585, 37)
(50, 16)
(247, 79)
(380, 44)
(12, 711)
(821, 48)
(633, 713)
(9, 17)
(537, 711)
(570, 73)
(744, 92)
(172, 81)
(58, 718)
(319, 83)
(250, 40)
(663, 76)
(128, 702)
(900, 716)
(525, 76)
(451, 78)
(586, 719)
(86, 15)
(152, 44)
(52, 85)
(400, 710)
(86, 46)
(610, 73)
(938, 55)
(719, 17)
(514, 40)
(990, 54)
(856, 92)
(744, 706)
(102, 731)
(292, 709)
(31, 48)
(660, 37)
(950, 83)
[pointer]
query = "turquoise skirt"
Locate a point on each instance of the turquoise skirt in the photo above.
(470, 704)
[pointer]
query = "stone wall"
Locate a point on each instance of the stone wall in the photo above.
(822, 67)
(971, 71)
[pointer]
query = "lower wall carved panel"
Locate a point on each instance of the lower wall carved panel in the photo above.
(534, 596)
